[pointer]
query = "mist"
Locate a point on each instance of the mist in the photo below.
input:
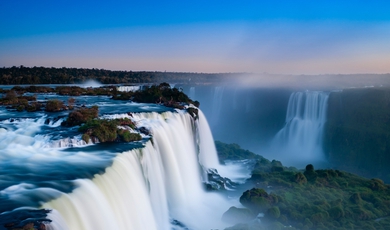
(311, 82)
(281, 117)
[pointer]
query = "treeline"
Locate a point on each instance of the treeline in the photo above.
(42, 75)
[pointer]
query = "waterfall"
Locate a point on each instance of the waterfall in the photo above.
(217, 104)
(300, 140)
(208, 154)
(192, 93)
(127, 88)
(149, 188)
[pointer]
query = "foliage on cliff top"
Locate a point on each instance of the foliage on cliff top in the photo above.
(233, 152)
(310, 198)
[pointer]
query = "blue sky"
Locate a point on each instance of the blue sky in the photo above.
(297, 37)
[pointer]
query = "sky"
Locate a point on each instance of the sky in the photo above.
(285, 37)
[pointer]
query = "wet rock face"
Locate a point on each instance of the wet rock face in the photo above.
(216, 182)
(24, 219)
(144, 131)
(193, 112)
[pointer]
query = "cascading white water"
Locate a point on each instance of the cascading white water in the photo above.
(131, 88)
(68, 142)
(217, 104)
(146, 188)
(300, 140)
(207, 154)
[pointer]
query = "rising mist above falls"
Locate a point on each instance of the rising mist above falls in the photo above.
(299, 125)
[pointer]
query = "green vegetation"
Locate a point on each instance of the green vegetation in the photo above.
(14, 100)
(66, 90)
(54, 105)
(41, 75)
(159, 94)
(108, 131)
(357, 131)
(81, 115)
(103, 130)
(312, 199)
(233, 152)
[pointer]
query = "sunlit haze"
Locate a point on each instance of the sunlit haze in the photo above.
(299, 37)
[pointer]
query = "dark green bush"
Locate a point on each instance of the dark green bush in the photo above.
(128, 137)
(273, 212)
(54, 105)
(82, 115)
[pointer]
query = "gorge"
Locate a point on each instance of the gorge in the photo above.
(164, 180)
(332, 127)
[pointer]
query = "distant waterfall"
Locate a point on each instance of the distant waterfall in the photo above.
(217, 104)
(192, 93)
(127, 88)
(300, 140)
(147, 188)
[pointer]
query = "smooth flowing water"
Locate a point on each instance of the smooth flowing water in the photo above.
(300, 140)
(156, 183)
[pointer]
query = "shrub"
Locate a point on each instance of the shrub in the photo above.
(10, 95)
(257, 199)
(273, 212)
(300, 178)
(54, 105)
(20, 108)
(34, 106)
(128, 137)
(355, 198)
(86, 138)
(104, 130)
(81, 115)
(309, 168)
(336, 212)
(126, 121)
